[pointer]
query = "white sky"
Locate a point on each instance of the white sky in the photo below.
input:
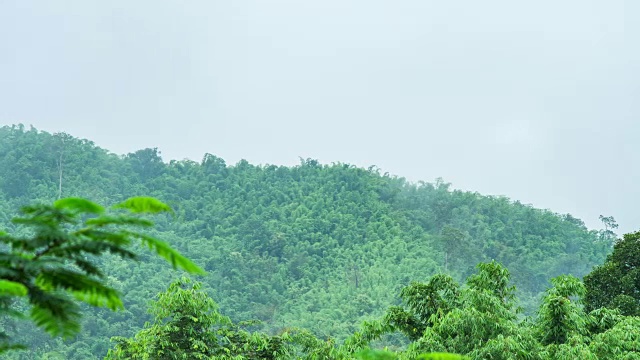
(534, 100)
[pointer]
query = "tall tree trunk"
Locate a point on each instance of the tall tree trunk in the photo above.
(60, 155)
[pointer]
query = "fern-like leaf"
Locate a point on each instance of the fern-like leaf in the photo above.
(172, 256)
(116, 238)
(82, 287)
(88, 267)
(91, 247)
(6, 346)
(56, 314)
(118, 220)
(78, 205)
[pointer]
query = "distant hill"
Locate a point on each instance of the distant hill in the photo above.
(317, 246)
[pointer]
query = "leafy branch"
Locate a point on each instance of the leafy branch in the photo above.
(53, 269)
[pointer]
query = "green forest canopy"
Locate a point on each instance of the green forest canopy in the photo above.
(321, 247)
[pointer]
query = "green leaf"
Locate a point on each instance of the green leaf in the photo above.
(143, 204)
(116, 238)
(441, 356)
(57, 315)
(174, 257)
(370, 354)
(118, 220)
(12, 288)
(4, 347)
(79, 205)
(82, 287)
(100, 297)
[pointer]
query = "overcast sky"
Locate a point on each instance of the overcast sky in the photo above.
(535, 100)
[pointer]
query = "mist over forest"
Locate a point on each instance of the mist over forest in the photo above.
(325, 260)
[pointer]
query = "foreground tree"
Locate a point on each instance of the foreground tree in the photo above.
(616, 283)
(188, 325)
(51, 263)
(480, 320)
(183, 319)
(561, 316)
(442, 316)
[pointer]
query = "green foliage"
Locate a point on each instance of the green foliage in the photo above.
(425, 302)
(164, 250)
(78, 205)
(601, 320)
(56, 261)
(616, 283)
(496, 279)
(521, 345)
(441, 316)
(371, 354)
(560, 316)
(321, 247)
(183, 318)
(140, 204)
(622, 341)
(187, 325)
(441, 356)
(11, 288)
(481, 323)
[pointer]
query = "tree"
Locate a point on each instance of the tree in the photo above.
(560, 316)
(59, 150)
(609, 222)
(620, 342)
(425, 302)
(184, 317)
(187, 325)
(147, 163)
(52, 262)
(485, 310)
(455, 244)
(616, 283)
(610, 225)
(441, 316)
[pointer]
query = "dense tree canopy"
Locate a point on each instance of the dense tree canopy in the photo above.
(480, 321)
(616, 283)
(319, 247)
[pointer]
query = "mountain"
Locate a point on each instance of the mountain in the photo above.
(318, 246)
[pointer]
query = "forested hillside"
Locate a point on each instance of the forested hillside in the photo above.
(317, 246)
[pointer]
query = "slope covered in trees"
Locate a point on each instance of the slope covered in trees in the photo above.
(322, 247)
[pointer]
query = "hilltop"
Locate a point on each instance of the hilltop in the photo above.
(318, 246)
